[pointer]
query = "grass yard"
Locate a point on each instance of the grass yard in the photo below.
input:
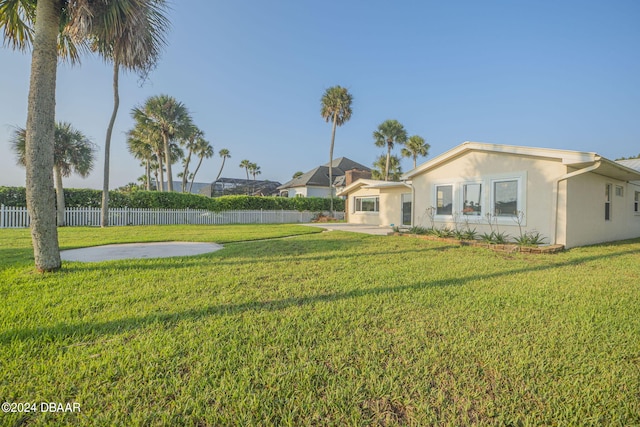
(321, 329)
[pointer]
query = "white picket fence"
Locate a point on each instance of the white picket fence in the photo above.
(18, 217)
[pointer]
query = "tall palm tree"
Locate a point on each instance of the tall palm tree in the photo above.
(72, 152)
(415, 146)
(203, 150)
(52, 27)
(389, 133)
(245, 164)
(148, 134)
(225, 154)
(172, 121)
(336, 107)
(380, 170)
(190, 142)
(254, 170)
(134, 46)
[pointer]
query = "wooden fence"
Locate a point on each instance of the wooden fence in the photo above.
(18, 217)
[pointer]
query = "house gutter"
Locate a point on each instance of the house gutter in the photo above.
(591, 168)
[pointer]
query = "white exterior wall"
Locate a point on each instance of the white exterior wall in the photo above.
(369, 218)
(537, 181)
(297, 192)
(586, 222)
(390, 206)
(318, 191)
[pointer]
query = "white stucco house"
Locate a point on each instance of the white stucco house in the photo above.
(572, 198)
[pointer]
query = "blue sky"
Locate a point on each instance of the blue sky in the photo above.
(534, 73)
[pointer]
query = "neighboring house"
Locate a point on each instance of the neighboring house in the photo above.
(571, 198)
(195, 189)
(315, 183)
(236, 186)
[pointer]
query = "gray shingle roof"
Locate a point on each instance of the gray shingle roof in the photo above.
(320, 176)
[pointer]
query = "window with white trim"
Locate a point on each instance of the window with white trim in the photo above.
(472, 199)
(444, 199)
(505, 197)
(636, 203)
(367, 204)
(619, 191)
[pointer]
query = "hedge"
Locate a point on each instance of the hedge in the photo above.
(16, 196)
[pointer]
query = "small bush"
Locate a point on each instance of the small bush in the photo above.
(530, 238)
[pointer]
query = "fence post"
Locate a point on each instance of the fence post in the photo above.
(1, 216)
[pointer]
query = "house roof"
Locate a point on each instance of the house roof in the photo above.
(319, 176)
(630, 163)
(370, 183)
(577, 159)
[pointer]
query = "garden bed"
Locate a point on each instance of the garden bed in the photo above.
(509, 247)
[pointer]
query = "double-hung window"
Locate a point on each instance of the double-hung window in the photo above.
(472, 199)
(444, 199)
(506, 198)
(636, 203)
(367, 204)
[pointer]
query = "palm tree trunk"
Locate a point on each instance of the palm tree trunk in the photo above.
(167, 161)
(104, 215)
(185, 173)
(415, 158)
(161, 169)
(221, 167)
(386, 172)
(57, 178)
(147, 174)
(40, 137)
(333, 138)
(193, 178)
(155, 173)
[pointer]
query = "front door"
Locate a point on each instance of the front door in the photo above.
(406, 209)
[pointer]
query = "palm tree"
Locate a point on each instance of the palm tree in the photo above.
(225, 154)
(148, 134)
(254, 170)
(190, 143)
(379, 170)
(72, 152)
(134, 46)
(172, 121)
(245, 164)
(203, 150)
(415, 146)
(143, 151)
(53, 27)
(336, 107)
(389, 133)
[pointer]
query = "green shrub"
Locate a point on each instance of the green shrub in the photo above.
(74, 198)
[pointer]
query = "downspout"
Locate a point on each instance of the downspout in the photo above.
(591, 168)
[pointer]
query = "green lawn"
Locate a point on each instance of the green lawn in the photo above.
(321, 329)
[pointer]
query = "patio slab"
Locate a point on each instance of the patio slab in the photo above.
(138, 250)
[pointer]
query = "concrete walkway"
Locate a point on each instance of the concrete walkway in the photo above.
(138, 250)
(355, 228)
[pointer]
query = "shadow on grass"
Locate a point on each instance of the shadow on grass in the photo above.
(66, 330)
